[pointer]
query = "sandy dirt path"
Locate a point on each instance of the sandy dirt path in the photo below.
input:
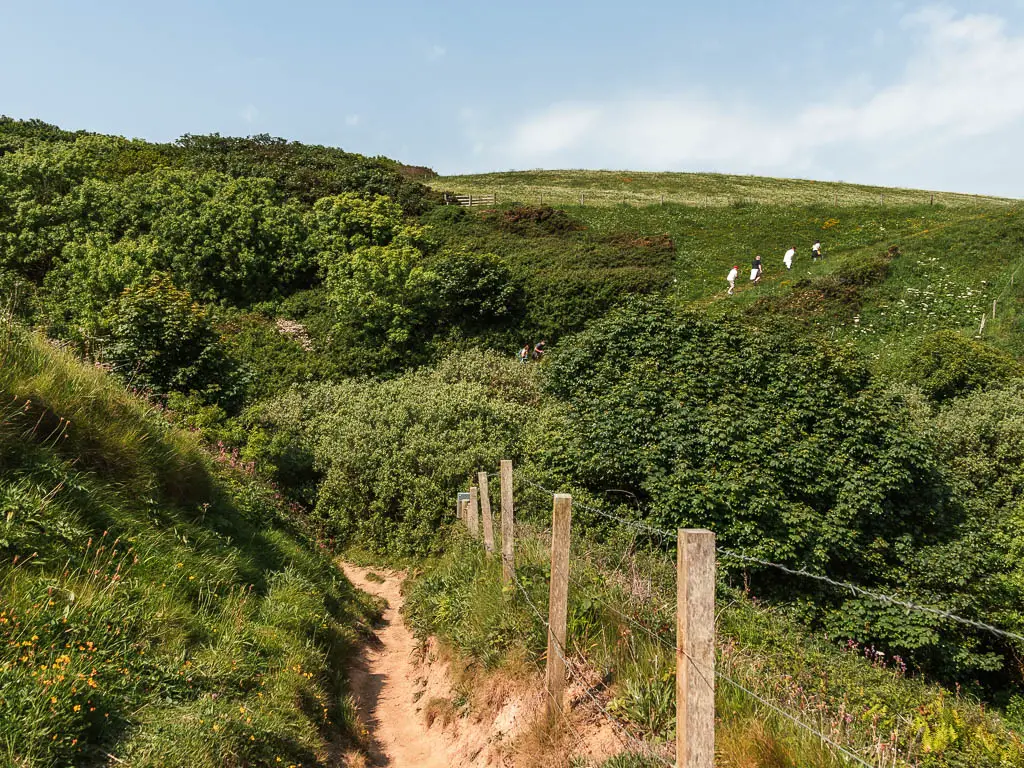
(383, 684)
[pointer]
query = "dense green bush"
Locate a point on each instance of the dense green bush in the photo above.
(163, 341)
(946, 364)
(786, 448)
(394, 454)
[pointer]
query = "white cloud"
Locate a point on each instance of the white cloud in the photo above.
(964, 79)
(249, 113)
(436, 53)
(353, 120)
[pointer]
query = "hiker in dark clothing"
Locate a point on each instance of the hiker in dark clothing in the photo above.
(755, 270)
(538, 350)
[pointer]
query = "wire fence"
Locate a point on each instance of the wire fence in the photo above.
(663, 636)
(670, 536)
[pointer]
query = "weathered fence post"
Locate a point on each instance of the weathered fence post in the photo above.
(558, 603)
(981, 330)
(485, 511)
(473, 523)
(695, 649)
(508, 563)
(994, 309)
(463, 506)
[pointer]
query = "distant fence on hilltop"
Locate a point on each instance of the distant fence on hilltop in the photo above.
(470, 200)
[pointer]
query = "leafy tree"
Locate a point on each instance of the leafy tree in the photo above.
(163, 341)
(83, 291)
(384, 297)
(474, 289)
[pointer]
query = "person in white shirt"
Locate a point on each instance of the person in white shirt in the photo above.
(788, 258)
(816, 251)
(731, 278)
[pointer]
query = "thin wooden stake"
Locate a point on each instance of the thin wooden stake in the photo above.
(474, 514)
(981, 330)
(485, 509)
(508, 562)
(993, 309)
(695, 649)
(558, 604)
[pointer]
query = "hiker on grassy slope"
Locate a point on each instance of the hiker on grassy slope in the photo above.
(755, 270)
(788, 258)
(816, 251)
(731, 278)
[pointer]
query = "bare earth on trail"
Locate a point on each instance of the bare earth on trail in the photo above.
(383, 683)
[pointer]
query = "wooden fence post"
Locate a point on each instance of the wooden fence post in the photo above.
(695, 649)
(485, 511)
(993, 309)
(558, 604)
(981, 330)
(473, 523)
(508, 563)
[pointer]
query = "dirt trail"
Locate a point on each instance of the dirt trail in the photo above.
(383, 683)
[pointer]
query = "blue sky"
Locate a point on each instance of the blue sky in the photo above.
(897, 93)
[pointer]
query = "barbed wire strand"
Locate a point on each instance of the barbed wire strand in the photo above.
(778, 710)
(642, 527)
(673, 648)
(874, 595)
(844, 585)
(618, 728)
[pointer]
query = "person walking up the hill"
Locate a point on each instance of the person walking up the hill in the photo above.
(755, 270)
(788, 258)
(731, 279)
(816, 250)
(524, 354)
(538, 349)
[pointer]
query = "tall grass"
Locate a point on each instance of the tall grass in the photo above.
(156, 609)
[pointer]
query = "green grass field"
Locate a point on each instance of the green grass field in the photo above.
(711, 189)
(956, 256)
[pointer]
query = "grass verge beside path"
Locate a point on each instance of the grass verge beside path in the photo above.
(157, 607)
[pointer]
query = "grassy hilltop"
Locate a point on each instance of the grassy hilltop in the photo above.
(644, 188)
